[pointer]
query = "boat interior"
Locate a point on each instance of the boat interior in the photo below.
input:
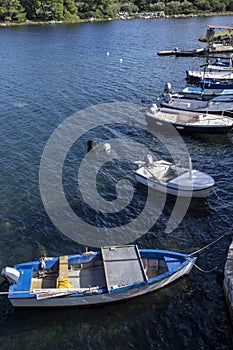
(164, 171)
(174, 116)
(86, 276)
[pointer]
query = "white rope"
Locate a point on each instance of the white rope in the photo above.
(208, 245)
(205, 247)
(206, 271)
(220, 199)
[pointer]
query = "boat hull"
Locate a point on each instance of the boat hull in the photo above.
(188, 129)
(199, 106)
(205, 94)
(194, 193)
(196, 76)
(102, 299)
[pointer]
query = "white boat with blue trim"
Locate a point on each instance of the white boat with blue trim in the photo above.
(114, 274)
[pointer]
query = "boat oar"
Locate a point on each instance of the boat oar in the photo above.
(56, 292)
(53, 292)
(17, 292)
(40, 296)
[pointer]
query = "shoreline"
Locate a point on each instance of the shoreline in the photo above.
(94, 20)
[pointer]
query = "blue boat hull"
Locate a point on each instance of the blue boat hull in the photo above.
(175, 265)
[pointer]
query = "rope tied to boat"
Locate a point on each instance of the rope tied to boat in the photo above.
(205, 247)
(64, 283)
(208, 245)
(206, 271)
(222, 200)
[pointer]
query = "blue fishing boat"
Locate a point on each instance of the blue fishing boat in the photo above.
(113, 274)
(215, 84)
(205, 94)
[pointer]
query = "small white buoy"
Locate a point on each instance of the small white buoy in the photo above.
(121, 60)
(107, 147)
(107, 53)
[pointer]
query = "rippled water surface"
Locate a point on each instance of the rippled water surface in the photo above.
(53, 72)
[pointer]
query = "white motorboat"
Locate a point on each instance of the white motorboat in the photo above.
(173, 178)
(187, 122)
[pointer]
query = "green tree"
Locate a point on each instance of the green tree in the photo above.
(229, 6)
(12, 11)
(187, 7)
(129, 7)
(157, 7)
(70, 10)
(58, 10)
(202, 5)
(173, 8)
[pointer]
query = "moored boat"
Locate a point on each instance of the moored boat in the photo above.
(196, 92)
(189, 122)
(174, 179)
(113, 274)
(195, 76)
(192, 105)
(215, 84)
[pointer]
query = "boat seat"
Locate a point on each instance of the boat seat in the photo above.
(36, 283)
(172, 263)
(151, 267)
(160, 171)
(62, 280)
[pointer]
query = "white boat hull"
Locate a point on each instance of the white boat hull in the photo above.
(179, 191)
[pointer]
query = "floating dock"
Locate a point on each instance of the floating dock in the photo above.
(216, 49)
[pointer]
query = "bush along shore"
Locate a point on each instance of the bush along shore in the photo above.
(120, 16)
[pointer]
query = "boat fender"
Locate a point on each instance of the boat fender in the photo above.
(42, 263)
(10, 274)
(107, 148)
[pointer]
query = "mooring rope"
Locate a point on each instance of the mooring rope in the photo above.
(208, 245)
(206, 271)
(220, 199)
(205, 247)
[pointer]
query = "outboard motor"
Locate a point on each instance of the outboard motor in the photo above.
(168, 97)
(167, 88)
(149, 160)
(10, 274)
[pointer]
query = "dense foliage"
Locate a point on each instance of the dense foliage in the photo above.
(72, 10)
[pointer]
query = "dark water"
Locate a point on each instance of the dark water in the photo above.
(49, 73)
